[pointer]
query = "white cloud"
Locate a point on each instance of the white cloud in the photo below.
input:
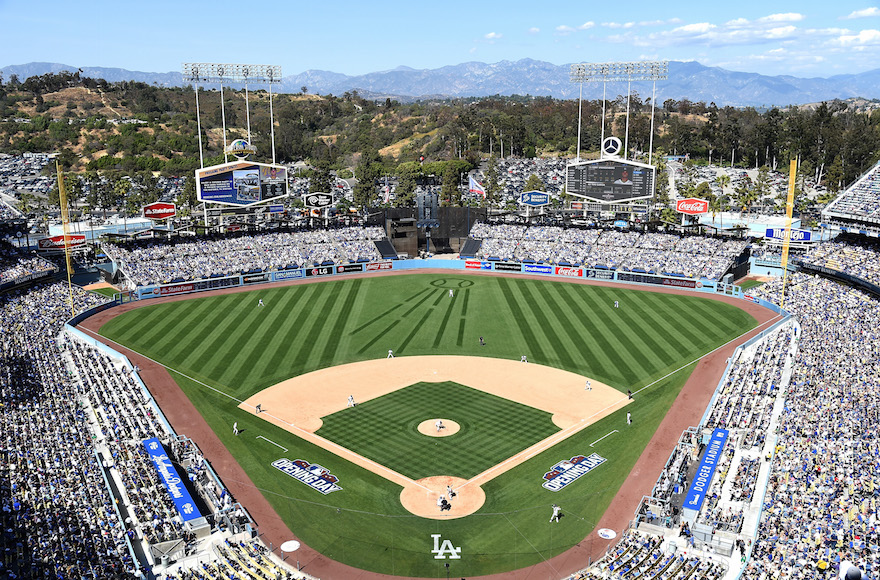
(493, 36)
(695, 28)
(862, 39)
(618, 24)
(587, 25)
(786, 17)
(863, 13)
(564, 29)
(534, 30)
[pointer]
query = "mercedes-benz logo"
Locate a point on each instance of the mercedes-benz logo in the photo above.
(611, 146)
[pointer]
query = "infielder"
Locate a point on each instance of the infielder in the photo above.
(589, 386)
(555, 516)
(351, 402)
(524, 359)
(235, 428)
(629, 419)
(439, 425)
(390, 353)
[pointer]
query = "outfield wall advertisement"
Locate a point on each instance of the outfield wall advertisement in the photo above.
(241, 183)
(172, 289)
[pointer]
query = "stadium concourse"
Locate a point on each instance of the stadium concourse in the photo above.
(796, 491)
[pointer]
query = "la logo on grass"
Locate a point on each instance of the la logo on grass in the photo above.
(440, 550)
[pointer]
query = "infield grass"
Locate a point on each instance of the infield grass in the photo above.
(384, 429)
(238, 348)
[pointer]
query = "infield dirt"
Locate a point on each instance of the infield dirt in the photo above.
(297, 406)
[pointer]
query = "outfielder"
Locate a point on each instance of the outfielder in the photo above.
(555, 516)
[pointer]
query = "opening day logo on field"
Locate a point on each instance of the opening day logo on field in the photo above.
(311, 474)
(566, 472)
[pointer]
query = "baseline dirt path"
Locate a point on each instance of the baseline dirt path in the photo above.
(685, 412)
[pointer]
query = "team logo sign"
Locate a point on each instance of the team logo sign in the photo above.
(566, 472)
(311, 474)
(441, 550)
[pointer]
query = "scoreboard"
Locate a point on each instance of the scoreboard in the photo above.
(610, 180)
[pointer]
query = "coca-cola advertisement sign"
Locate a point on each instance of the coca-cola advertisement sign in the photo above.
(160, 210)
(57, 242)
(567, 271)
(692, 206)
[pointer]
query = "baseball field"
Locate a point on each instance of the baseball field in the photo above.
(309, 346)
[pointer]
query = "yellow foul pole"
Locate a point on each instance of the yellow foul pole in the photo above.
(65, 220)
(786, 240)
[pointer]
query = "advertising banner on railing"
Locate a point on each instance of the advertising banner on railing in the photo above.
(703, 477)
(183, 501)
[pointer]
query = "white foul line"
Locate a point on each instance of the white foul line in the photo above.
(603, 437)
(270, 441)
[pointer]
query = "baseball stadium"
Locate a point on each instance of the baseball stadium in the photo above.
(444, 392)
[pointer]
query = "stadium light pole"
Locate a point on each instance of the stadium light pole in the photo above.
(648, 70)
(212, 72)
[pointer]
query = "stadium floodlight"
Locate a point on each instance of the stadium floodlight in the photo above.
(225, 73)
(214, 72)
(648, 70)
(604, 72)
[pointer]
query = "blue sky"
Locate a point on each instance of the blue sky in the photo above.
(801, 38)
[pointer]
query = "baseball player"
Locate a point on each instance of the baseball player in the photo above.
(449, 491)
(589, 386)
(351, 402)
(438, 425)
(451, 293)
(235, 428)
(555, 516)
(524, 359)
(259, 408)
(390, 353)
(629, 419)
(260, 303)
(616, 304)
(482, 342)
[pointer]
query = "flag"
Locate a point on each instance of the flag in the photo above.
(387, 190)
(474, 187)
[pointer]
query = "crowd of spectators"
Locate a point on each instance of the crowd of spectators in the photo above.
(58, 518)
(152, 262)
(239, 560)
(74, 419)
(862, 199)
(15, 264)
(821, 501)
(856, 257)
(657, 253)
(642, 556)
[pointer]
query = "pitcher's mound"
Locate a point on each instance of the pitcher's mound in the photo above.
(469, 497)
(429, 428)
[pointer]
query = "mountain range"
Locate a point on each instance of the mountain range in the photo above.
(686, 80)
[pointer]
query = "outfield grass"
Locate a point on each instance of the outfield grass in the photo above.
(109, 292)
(748, 284)
(238, 348)
(384, 430)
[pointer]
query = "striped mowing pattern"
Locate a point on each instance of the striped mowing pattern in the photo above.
(384, 430)
(230, 342)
